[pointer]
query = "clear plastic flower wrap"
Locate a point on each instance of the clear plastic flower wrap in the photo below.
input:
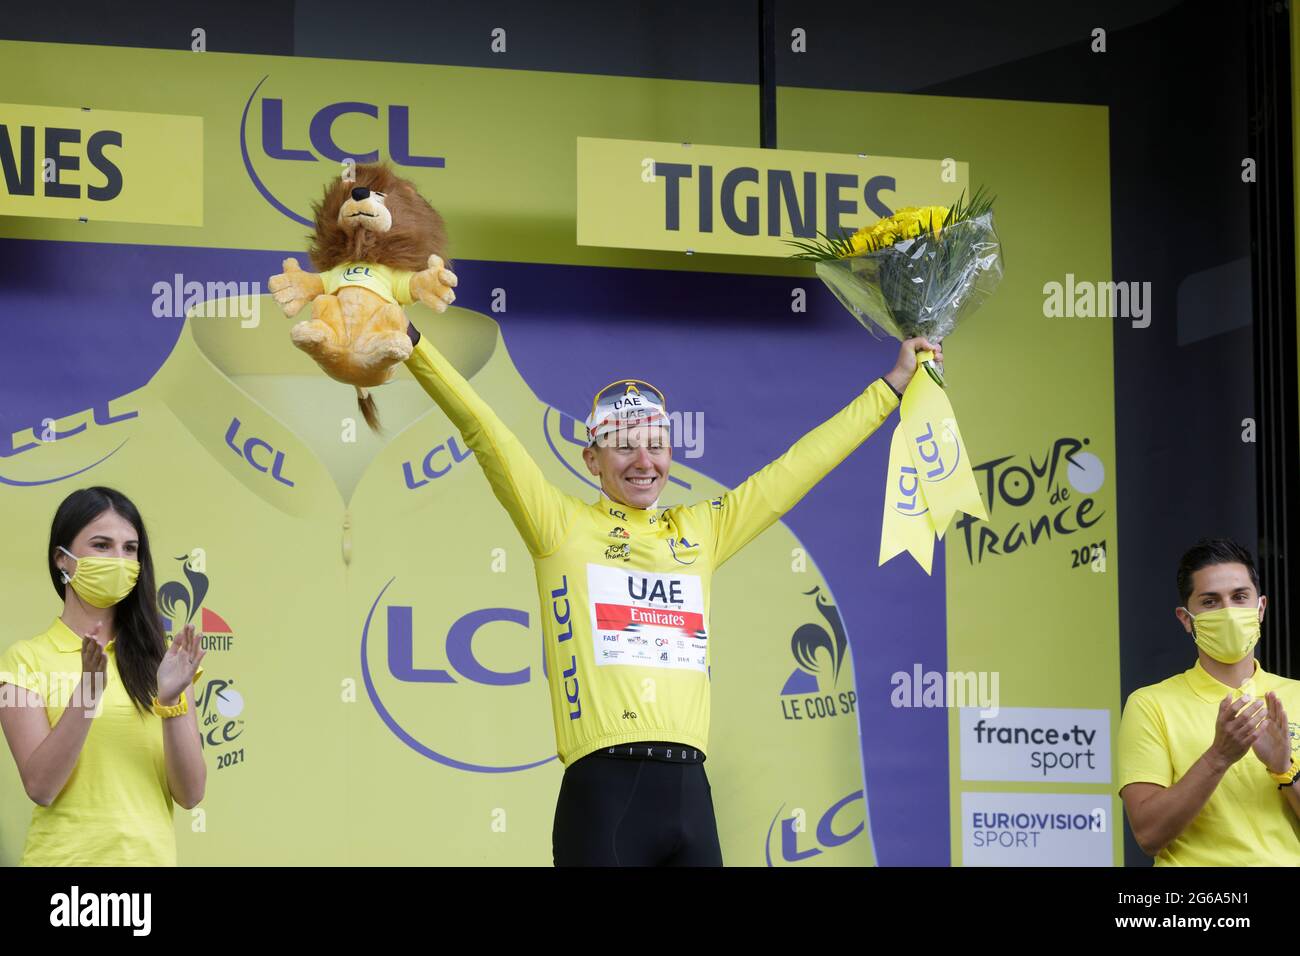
(920, 286)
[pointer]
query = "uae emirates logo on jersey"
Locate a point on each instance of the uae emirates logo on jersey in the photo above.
(647, 619)
(820, 651)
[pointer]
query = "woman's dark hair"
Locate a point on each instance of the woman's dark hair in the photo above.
(140, 643)
(1210, 551)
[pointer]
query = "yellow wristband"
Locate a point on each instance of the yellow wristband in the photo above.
(1288, 776)
(176, 710)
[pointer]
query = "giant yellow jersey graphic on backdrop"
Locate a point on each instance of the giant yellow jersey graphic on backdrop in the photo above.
(375, 686)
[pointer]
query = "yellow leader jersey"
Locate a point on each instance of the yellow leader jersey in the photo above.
(375, 664)
(625, 592)
(1167, 727)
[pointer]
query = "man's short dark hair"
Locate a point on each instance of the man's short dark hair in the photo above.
(1210, 551)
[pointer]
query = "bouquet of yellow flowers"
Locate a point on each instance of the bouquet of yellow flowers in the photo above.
(919, 272)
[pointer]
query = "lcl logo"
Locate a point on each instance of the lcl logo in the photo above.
(256, 452)
(909, 484)
(459, 648)
(48, 432)
(927, 446)
(796, 845)
(443, 743)
(280, 144)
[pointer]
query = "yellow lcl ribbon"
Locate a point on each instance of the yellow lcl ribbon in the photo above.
(930, 477)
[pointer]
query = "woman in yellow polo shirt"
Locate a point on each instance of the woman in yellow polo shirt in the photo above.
(98, 710)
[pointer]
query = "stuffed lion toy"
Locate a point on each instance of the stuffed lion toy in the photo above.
(378, 246)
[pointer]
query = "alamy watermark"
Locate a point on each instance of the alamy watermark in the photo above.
(1103, 300)
(922, 688)
(68, 687)
(237, 300)
(685, 430)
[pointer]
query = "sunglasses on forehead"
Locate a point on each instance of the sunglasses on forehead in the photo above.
(624, 387)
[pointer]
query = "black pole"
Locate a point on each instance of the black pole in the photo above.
(767, 74)
(1276, 386)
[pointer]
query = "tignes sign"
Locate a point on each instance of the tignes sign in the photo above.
(688, 197)
(59, 162)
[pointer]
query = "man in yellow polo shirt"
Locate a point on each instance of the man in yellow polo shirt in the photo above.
(1207, 758)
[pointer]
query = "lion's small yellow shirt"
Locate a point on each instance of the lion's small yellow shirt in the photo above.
(1166, 727)
(116, 808)
(392, 285)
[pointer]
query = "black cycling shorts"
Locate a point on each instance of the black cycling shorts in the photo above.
(634, 812)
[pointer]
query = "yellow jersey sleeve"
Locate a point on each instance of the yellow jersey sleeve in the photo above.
(539, 510)
(743, 513)
(1144, 753)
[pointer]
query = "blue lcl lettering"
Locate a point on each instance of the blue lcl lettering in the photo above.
(252, 445)
(460, 651)
(827, 838)
(908, 484)
(927, 441)
(430, 468)
(570, 673)
(321, 133)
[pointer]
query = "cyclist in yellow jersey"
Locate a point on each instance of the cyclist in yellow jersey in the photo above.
(624, 593)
